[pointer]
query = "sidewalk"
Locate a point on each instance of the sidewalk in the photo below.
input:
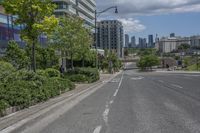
(20, 118)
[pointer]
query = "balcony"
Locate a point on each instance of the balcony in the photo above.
(86, 11)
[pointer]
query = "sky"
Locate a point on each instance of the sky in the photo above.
(143, 17)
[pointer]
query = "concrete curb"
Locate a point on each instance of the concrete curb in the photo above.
(24, 117)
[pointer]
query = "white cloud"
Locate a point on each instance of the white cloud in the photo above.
(131, 25)
(151, 7)
(128, 9)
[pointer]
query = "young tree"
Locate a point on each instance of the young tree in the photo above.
(36, 18)
(148, 61)
(69, 36)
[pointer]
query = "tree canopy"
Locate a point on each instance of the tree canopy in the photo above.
(36, 18)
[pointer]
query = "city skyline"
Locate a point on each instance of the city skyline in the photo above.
(141, 18)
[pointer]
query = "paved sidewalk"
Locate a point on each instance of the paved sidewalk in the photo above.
(20, 118)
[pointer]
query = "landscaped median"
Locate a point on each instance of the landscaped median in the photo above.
(20, 89)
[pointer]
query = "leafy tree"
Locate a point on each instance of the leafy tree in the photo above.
(69, 36)
(46, 57)
(35, 16)
(184, 47)
(126, 52)
(85, 41)
(148, 61)
(16, 56)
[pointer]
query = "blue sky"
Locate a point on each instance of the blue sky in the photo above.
(144, 17)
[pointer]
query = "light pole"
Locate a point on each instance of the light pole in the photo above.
(97, 14)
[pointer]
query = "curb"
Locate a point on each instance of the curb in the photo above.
(46, 108)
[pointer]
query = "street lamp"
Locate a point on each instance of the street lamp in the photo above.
(97, 14)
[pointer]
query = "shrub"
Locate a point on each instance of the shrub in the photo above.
(3, 106)
(91, 74)
(17, 93)
(52, 72)
(78, 78)
(24, 75)
(5, 69)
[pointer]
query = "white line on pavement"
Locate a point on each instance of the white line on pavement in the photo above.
(161, 81)
(178, 86)
(111, 102)
(97, 129)
(115, 94)
(105, 115)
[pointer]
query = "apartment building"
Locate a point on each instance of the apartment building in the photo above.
(82, 8)
(110, 36)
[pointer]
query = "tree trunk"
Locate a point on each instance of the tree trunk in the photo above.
(33, 57)
(83, 62)
(72, 62)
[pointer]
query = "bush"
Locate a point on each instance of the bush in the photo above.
(17, 93)
(5, 69)
(78, 78)
(91, 74)
(52, 72)
(3, 106)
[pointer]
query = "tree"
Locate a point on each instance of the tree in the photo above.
(69, 36)
(85, 41)
(184, 47)
(16, 56)
(148, 61)
(36, 18)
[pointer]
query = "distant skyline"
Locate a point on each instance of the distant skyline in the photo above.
(143, 17)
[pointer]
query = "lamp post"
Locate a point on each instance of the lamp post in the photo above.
(97, 14)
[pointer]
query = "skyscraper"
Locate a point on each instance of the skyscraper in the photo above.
(142, 43)
(126, 40)
(82, 8)
(110, 36)
(133, 42)
(150, 41)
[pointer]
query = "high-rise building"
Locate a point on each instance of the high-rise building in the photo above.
(150, 41)
(133, 42)
(195, 41)
(172, 35)
(126, 40)
(110, 36)
(82, 8)
(142, 43)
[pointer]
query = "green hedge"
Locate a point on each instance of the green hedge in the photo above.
(78, 78)
(85, 74)
(25, 88)
(5, 69)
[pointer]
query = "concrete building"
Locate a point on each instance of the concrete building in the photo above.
(126, 41)
(170, 44)
(150, 41)
(82, 8)
(110, 36)
(195, 41)
(142, 43)
(133, 42)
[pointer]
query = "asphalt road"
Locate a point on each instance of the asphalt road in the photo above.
(134, 103)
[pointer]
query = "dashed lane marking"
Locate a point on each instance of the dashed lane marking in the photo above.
(97, 129)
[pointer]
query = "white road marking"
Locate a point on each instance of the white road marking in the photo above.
(161, 81)
(178, 86)
(97, 129)
(111, 102)
(105, 115)
(115, 94)
(137, 78)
